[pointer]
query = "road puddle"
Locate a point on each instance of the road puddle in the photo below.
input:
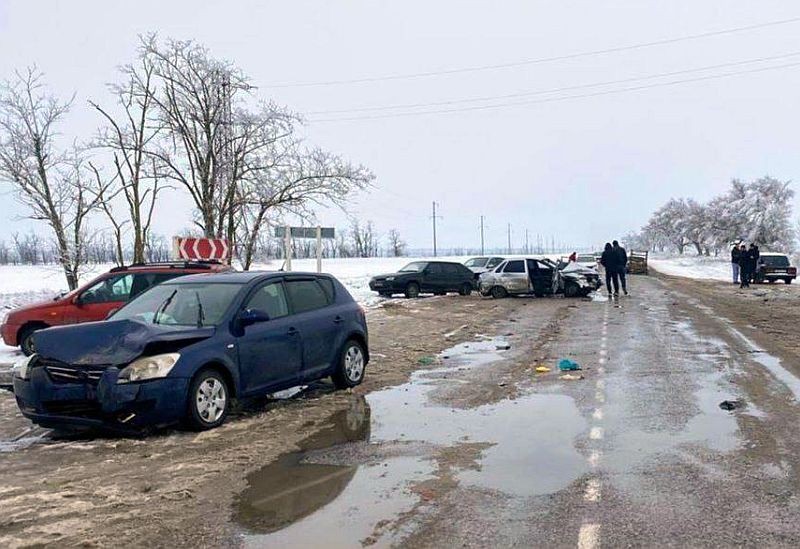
(771, 363)
(338, 490)
(532, 437)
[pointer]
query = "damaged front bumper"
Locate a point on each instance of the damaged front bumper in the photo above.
(104, 404)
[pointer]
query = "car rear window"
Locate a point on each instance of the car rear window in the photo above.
(306, 295)
(775, 260)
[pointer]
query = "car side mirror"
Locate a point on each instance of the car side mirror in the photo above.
(252, 316)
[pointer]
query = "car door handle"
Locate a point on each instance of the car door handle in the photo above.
(292, 331)
(338, 320)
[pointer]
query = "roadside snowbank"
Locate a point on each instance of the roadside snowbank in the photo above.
(693, 266)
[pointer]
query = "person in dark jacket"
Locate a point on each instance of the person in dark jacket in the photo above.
(622, 265)
(610, 260)
(744, 267)
(753, 254)
(735, 255)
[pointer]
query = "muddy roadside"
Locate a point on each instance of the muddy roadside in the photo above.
(177, 488)
(767, 313)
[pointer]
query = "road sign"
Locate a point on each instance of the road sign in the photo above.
(200, 248)
(305, 232)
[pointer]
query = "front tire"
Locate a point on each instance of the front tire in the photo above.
(25, 339)
(351, 367)
(209, 400)
(498, 292)
(571, 290)
(412, 290)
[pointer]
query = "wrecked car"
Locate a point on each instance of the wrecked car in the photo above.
(537, 276)
(183, 350)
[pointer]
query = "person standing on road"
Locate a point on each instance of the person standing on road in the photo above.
(622, 265)
(744, 267)
(753, 254)
(609, 261)
(735, 255)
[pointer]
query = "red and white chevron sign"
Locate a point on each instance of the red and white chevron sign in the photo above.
(201, 248)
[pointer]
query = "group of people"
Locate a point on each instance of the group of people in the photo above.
(615, 261)
(744, 262)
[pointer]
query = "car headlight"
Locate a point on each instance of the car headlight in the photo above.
(149, 367)
(21, 368)
(389, 278)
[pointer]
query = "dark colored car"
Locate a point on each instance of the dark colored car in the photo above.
(185, 348)
(772, 267)
(435, 277)
(95, 300)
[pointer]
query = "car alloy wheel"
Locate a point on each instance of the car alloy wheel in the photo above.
(354, 364)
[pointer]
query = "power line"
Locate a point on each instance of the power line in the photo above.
(554, 90)
(590, 53)
(564, 98)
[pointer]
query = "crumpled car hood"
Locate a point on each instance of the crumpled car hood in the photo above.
(109, 342)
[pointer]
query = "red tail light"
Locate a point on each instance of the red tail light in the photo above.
(792, 270)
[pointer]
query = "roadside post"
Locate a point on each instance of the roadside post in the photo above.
(318, 233)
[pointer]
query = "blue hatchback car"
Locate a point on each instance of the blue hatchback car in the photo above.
(183, 350)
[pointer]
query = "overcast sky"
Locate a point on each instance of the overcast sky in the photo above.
(586, 170)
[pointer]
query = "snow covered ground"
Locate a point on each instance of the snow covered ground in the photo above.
(693, 266)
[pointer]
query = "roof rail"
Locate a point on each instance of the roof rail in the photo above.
(184, 264)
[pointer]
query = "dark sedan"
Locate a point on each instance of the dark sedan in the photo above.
(434, 277)
(183, 350)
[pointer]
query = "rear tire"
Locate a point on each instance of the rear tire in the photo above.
(466, 289)
(412, 290)
(209, 400)
(351, 367)
(789, 280)
(25, 338)
(498, 292)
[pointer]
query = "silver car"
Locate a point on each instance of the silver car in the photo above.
(532, 275)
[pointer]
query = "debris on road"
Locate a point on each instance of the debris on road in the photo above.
(425, 360)
(567, 365)
(503, 346)
(571, 377)
(542, 369)
(731, 405)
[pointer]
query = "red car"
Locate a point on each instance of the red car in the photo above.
(95, 300)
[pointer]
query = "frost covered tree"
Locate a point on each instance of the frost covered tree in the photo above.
(129, 134)
(397, 247)
(52, 183)
(759, 211)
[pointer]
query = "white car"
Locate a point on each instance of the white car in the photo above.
(483, 264)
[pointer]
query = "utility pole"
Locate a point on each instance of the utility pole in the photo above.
(509, 239)
(433, 217)
(482, 252)
(527, 251)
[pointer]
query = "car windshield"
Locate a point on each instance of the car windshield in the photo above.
(477, 262)
(416, 267)
(775, 260)
(200, 304)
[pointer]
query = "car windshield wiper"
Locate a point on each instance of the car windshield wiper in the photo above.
(163, 306)
(200, 315)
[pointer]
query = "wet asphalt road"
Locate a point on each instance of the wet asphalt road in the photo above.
(637, 453)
